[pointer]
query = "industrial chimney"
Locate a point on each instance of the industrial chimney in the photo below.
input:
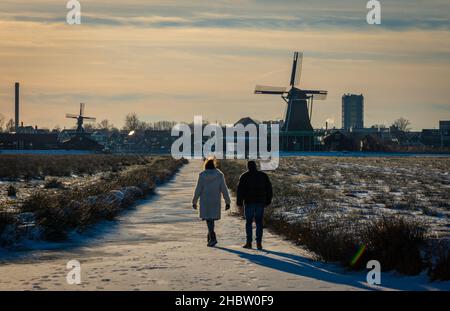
(16, 123)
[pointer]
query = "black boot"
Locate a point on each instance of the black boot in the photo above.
(259, 245)
(247, 245)
(213, 240)
(208, 238)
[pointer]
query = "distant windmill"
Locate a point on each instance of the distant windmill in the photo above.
(297, 117)
(80, 118)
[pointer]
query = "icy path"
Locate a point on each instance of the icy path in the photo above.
(160, 245)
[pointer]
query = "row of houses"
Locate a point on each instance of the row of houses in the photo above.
(108, 141)
(160, 141)
(139, 141)
(387, 139)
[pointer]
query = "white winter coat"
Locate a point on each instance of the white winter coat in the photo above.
(210, 187)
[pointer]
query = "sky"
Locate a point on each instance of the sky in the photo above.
(172, 60)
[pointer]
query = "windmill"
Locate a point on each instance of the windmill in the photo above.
(298, 101)
(80, 119)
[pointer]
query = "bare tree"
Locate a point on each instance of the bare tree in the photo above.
(145, 126)
(2, 122)
(132, 122)
(105, 125)
(89, 127)
(10, 127)
(402, 124)
(164, 125)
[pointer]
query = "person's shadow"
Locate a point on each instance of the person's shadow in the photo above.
(305, 267)
(297, 265)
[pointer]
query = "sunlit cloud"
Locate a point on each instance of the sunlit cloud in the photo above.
(175, 59)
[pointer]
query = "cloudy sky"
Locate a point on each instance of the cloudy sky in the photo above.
(172, 60)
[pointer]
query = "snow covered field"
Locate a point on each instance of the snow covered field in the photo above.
(25, 188)
(372, 187)
(393, 209)
(31, 172)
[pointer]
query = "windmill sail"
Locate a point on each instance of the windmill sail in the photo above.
(296, 69)
(317, 95)
(81, 109)
(89, 118)
(264, 89)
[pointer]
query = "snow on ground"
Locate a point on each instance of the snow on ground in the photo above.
(160, 245)
(372, 187)
(25, 188)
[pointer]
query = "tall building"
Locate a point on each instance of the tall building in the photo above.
(352, 111)
(444, 125)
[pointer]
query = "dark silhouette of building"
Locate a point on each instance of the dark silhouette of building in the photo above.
(435, 138)
(159, 141)
(372, 143)
(27, 141)
(81, 142)
(338, 141)
(352, 111)
(444, 126)
(246, 121)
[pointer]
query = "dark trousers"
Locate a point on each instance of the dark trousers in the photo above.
(210, 224)
(254, 211)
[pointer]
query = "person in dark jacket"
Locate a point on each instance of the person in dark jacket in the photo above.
(254, 192)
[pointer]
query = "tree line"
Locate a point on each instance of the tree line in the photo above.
(131, 123)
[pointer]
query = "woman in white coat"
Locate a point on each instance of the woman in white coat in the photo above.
(210, 187)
